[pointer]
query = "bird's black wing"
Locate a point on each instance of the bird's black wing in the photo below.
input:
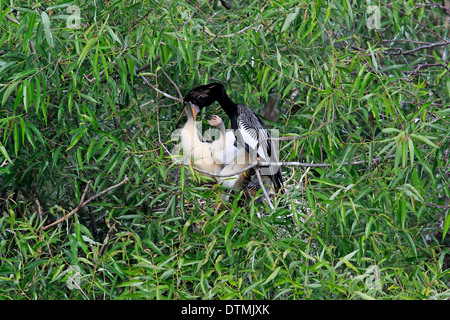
(253, 133)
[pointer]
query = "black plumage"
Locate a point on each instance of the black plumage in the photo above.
(250, 131)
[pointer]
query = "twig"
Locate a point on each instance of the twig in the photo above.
(298, 164)
(105, 241)
(253, 165)
(161, 92)
(41, 217)
(174, 84)
(432, 45)
(428, 65)
(83, 203)
(437, 205)
(261, 184)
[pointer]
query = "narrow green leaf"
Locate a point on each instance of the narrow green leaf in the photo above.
(85, 50)
(411, 151)
(398, 155)
(272, 276)
(403, 211)
(229, 227)
(5, 153)
(16, 138)
(48, 34)
(363, 295)
(390, 130)
(8, 91)
(290, 18)
(75, 138)
(79, 158)
(446, 225)
(90, 150)
(404, 153)
(182, 177)
(424, 139)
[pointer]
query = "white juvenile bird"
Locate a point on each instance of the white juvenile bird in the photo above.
(225, 151)
(194, 149)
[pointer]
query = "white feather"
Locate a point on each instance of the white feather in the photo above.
(223, 149)
(197, 151)
(249, 137)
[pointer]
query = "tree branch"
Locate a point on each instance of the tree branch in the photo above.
(261, 184)
(161, 92)
(83, 203)
(432, 45)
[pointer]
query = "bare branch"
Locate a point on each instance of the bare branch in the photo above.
(105, 242)
(83, 203)
(174, 84)
(253, 165)
(431, 45)
(261, 184)
(428, 65)
(41, 217)
(161, 92)
(258, 164)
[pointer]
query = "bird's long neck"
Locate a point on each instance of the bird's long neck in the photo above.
(227, 105)
(221, 128)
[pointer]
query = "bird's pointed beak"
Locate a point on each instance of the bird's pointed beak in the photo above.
(208, 117)
(195, 110)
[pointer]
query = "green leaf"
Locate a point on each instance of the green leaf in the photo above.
(75, 138)
(390, 130)
(272, 276)
(404, 153)
(446, 225)
(5, 153)
(411, 151)
(424, 139)
(363, 295)
(16, 138)
(8, 91)
(290, 18)
(229, 227)
(48, 34)
(85, 50)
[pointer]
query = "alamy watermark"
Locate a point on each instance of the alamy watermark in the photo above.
(74, 19)
(373, 17)
(371, 278)
(73, 273)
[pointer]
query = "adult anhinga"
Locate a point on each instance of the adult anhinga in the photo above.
(250, 131)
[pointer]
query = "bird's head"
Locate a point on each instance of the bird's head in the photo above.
(191, 110)
(214, 120)
(204, 96)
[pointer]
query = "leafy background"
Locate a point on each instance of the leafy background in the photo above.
(90, 111)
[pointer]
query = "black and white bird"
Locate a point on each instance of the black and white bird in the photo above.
(250, 131)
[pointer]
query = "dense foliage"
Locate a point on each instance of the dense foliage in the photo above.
(87, 111)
